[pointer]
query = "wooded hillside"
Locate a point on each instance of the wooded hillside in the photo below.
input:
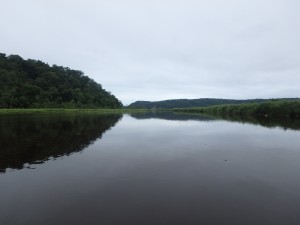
(35, 84)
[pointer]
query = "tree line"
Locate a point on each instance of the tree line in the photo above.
(273, 109)
(34, 84)
(188, 103)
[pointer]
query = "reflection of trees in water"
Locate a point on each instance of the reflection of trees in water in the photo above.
(169, 115)
(36, 139)
(266, 122)
(286, 123)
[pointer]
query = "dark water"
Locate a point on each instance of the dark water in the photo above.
(156, 169)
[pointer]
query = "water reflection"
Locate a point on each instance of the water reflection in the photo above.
(169, 115)
(265, 122)
(293, 124)
(151, 171)
(31, 140)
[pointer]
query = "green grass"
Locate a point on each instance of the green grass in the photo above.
(271, 109)
(63, 110)
(285, 114)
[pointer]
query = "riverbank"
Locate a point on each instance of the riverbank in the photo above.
(271, 109)
(63, 110)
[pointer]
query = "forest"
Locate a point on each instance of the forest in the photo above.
(34, 84)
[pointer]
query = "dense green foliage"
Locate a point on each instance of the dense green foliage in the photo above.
(271, 109)
(188, 103)
(35, 84)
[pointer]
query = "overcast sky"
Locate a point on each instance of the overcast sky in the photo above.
(164, 49)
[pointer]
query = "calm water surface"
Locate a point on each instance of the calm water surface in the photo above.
(146, 170)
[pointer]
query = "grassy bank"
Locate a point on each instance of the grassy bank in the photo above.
(271, 109)
(63, 110)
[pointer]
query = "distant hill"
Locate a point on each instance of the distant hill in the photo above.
(188, 103)
(34, 84)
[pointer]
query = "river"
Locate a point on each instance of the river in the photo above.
(147, 169)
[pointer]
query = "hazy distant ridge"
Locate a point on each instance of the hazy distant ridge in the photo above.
(188, 103)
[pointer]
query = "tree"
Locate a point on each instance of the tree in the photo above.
(33, 83)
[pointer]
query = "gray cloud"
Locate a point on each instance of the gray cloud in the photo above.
(155, 50)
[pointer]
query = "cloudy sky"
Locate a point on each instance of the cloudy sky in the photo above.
(164, 49)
